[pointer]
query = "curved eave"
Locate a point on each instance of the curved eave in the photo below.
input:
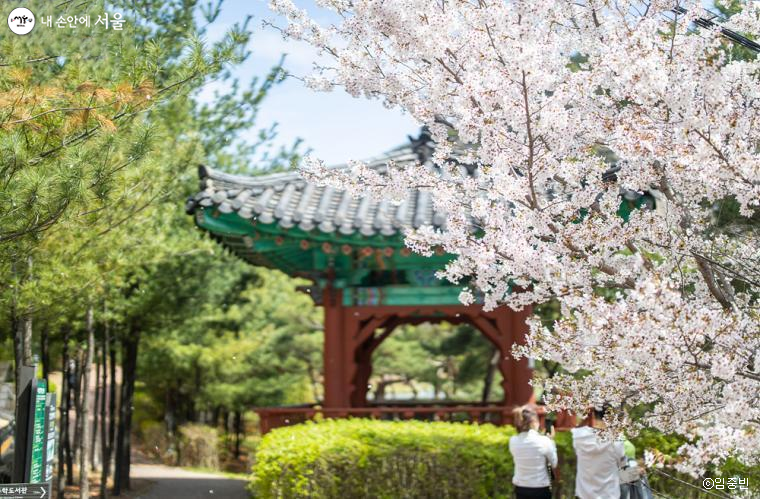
(217, 222)
(310, 253)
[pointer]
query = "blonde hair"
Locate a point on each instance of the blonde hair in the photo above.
(524, 418)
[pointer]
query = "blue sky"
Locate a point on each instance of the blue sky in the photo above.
(336, 126)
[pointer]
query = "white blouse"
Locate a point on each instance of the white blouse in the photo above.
(597, 475)
(532, 452)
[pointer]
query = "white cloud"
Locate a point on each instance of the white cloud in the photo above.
(268, 46)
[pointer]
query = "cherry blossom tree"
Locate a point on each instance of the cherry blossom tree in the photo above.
(561, 106)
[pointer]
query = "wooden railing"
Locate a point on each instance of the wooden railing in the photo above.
(275, 417)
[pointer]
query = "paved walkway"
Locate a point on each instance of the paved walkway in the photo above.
(165, 482)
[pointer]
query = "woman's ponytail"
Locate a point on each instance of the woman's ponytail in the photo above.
(517, 418)
(524, 418)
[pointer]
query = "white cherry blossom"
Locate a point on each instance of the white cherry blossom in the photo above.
(660, 311)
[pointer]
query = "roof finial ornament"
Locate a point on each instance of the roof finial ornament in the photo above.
(423, 145)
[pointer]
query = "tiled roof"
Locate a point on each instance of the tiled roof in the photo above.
(291, 201)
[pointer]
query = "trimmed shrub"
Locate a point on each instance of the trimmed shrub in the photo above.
(198, 446)
(155, 440)
(361, 458)
(384, 459)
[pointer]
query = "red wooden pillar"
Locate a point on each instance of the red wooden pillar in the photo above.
(336, 345)
(360, 385)
(516, 374)
(521, 371)
(368, 338)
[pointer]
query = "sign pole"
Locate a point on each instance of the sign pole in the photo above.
(34, 444)
(22, 439)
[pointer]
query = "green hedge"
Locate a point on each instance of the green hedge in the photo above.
(384, 459)
(362, 458)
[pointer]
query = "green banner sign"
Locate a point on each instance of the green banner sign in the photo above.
(50, 433)
(38, 434)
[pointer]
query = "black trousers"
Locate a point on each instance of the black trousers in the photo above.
(533, 493)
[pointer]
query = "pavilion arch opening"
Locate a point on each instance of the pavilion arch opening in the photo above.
(368, 328)
(461, 366)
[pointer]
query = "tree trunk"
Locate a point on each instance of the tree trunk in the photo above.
(129, 409)
(45, 353)
(383, 384)
(129, 370)
(70, 400)
(104, 439)
(238, 431)
(64, 449)
(84, 451)
(192, 413)
(95, 406)
(27, 322)
(21, 324)
(27, 333)
(408, 382)
(452, 371)
(490, 371)
(170, 418)
(77, 402)
(112, 399)
(171, 421)
(18, 348)
(313, 381)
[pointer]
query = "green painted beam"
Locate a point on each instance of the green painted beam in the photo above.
(282, 248)
(402, 295)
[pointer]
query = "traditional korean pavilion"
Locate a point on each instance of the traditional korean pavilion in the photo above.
(352, 250)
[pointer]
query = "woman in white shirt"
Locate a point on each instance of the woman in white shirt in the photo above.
(597, 475)
(532, 453)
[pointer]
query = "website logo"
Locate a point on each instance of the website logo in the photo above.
(21, 21)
